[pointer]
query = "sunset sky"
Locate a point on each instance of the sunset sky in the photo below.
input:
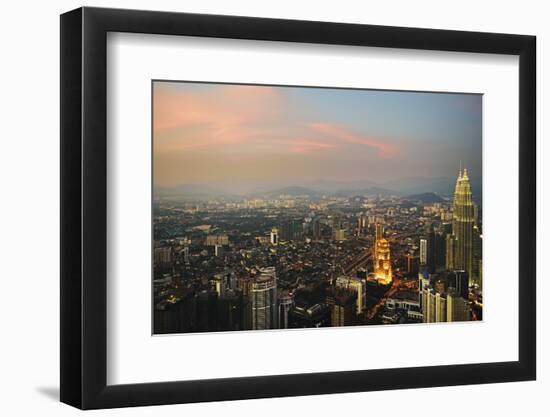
(223, 135)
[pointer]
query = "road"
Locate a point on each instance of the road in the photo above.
(398, 284)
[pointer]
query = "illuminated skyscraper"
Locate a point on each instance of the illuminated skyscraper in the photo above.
(382, 261)
(263, 294)
(463, 225)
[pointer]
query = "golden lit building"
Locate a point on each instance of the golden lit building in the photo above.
(382, 258)
(463, 226)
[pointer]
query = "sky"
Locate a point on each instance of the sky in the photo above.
(248, 135)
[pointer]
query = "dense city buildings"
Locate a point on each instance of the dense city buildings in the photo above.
(301, 259)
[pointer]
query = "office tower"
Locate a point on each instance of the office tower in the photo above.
(382, 261)
(163, 256)
(244, 286)
(440, 246)
(263, 294)
(230, 311)
(231, 280)
(206, 303)
(224, 281)
(450, 252)
(457, 307)
(477, 250)
(428, 250)
(458, 281)
(423, 251)
(186, 254)
(440, 307)
(431, 249)
(218, 250)
(316, 229)
(336, 226)
(285, 231)
(362, 223)
(342, 302)
(434, 306)
(290, 230)
(423, 283)
(219, 284)
(285, 304)
(412, 264)
(274, 236)
(340, 235)
(297, 229)
(463, 224)
(357, 285)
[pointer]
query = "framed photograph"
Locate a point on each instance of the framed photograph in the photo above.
(257, 208)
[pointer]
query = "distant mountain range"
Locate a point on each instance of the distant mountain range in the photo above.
(424, 189)
(426, 198)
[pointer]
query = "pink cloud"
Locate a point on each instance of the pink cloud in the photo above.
(227, 117)
(222, 106)
(306, 146)
(224, 115)
(338, 133)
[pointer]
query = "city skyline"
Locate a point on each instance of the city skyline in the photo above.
(246, 137)
(290, 207)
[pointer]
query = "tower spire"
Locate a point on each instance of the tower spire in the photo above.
(460, 170)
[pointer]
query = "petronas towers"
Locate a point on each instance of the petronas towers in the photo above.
(461, 244)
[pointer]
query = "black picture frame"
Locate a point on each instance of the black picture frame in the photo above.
(84, 207)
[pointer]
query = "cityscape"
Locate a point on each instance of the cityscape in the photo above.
(266, 218)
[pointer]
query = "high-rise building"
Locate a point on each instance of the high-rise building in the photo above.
(342, 302)
(423, 244)
(186, 254)
(163, 256)
(412, 264)
(263, 294)
(434, 306)
(450, 251)
(477, 250)
(463, 224)
(428, 250)
(423, 283)
(316, 229)
(457, 307)
(285, 304)
(290, 230)
(362, 223)
(458, 281)
(382, 260)
(440, 246)
(340, 235)
(219, 284)
(274, 236)
(218, 250)
(359, 286)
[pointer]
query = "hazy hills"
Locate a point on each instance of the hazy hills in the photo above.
(415, 188)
